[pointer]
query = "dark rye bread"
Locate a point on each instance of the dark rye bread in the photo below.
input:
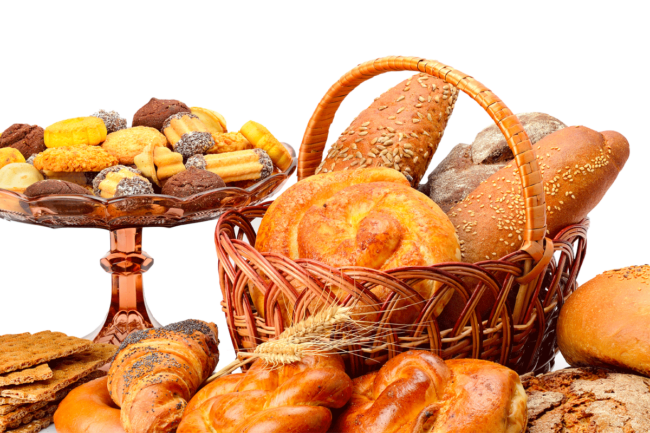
(401, 129)
(467, 165)
(587, 400)
(578, 165)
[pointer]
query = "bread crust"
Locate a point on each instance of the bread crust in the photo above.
(606, 322)
(401, 129)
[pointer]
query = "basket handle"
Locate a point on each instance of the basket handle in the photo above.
(313, 142)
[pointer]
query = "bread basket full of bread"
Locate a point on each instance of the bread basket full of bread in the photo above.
(483, 276)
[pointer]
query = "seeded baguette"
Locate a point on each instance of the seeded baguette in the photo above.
(577, 164)
(401, 129)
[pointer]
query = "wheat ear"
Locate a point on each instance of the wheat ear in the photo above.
(307, 337)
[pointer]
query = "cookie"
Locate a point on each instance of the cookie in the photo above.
(102, 175)
(112, 120)
(80, 131)
(75, 159)
(18, 176)
(154, 113)
(194, 143)
(192, 181)
(50, 187)
(229, 142)
(9, 155)
(126, 144)
(28, 140)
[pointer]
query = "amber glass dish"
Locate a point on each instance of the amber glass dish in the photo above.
(125, 217)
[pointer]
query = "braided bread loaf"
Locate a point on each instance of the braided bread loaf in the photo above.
(418, 392)
(294, 398)
(156, 371)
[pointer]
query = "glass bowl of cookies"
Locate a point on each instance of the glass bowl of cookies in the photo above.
(175, 165)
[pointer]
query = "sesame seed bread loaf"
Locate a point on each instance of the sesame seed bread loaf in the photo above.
(401, 129)
(577, 164)
(606, 322)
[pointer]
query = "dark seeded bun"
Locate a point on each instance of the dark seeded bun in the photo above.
(50, 187)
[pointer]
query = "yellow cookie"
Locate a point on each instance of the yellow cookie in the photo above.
(9, 155)
(214, 121)
(75, 159)
(80, 131)
(126, 144)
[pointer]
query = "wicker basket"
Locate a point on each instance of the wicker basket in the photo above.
(529, 285)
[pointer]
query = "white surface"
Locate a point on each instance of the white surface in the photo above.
(272, 62)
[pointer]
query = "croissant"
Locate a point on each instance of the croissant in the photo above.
(294, 398)
(418, 392)
(156, 371)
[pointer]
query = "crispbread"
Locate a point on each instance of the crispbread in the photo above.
(41, 413)
(20, 351)
(13, 401)
(65, 371)
(28, 375)
(6, 408)
(20, 413)
(34, 426)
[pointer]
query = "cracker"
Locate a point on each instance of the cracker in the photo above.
(41, 413)
(13, 401)
(65, 371)
(20, 351)
(13, 417)
(28, 375)
(6, 408)
(34, 426)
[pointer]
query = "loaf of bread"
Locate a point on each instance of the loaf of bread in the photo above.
(577, 164)
(418, 392)
(585, 400)
(378, 225)
(401, 129)
(467, 165)
(606, 322)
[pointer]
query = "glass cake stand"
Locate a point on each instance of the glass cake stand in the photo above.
(125, 217)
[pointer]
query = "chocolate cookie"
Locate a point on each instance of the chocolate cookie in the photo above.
(112, 120)
(27, 139)
(156, 111)
(192, 181)
(49, 187)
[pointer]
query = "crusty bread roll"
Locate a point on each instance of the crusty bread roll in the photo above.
(418, 392)
(379, 225)
(606, 322)
(577, 164)
(401, 129)
(586, 400)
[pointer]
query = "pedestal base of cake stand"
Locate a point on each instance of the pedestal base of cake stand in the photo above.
(128, 311)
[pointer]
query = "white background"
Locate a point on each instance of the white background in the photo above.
(587, 64)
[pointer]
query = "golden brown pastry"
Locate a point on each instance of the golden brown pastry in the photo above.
(126, 144)
(121, 181)
(167, 163)
(251, 164)
(379, 225)
(261, 138)
(418, 392)
(296, 398)
(156, 371)
(401, 129)
(214, 121)
(18, 176)
(80, 131)
(606, 322)
(75, 159)
(229, 142)
(181, 123)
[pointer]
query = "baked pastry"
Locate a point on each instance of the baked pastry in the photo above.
(418, 392)
(156, 371)
(111, 119)
(101, 176)
(194, 143)
(467, 165)
(261, 138)
(369, 218)
(401, 129)
(80, 131)
(83, 179)
(167, 163)
(88, 408)
(18, 176)
(295, 397)
(229, 142)
(28, 140)
(75, 159)
(192, 181)
(214, 121)
(9, 155)
(181, 123)
(124, 182)
(156, 111)
(585, 400)
(126, 144)
(606, 322)
(50, 187)
(251, 164)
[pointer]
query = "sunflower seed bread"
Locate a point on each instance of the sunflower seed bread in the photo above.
(401, 129)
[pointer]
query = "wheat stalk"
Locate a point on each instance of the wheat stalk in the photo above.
(307, 337)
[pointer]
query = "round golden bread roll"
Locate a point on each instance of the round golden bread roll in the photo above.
(418, 392)
(368, 217)
(606, 322)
